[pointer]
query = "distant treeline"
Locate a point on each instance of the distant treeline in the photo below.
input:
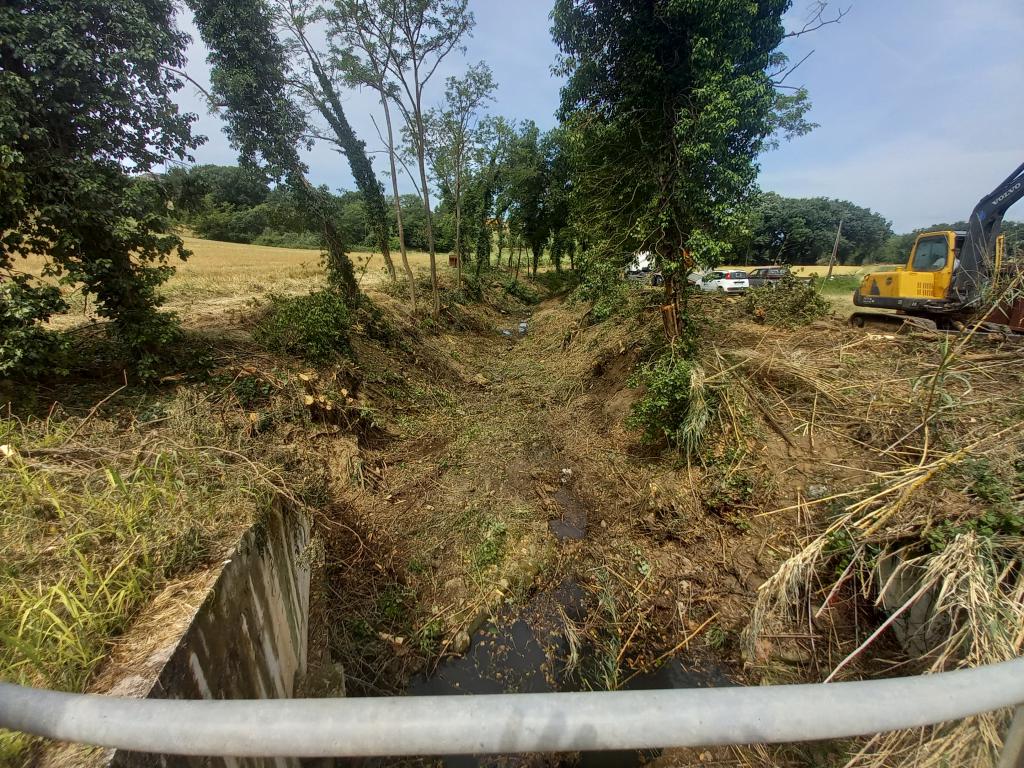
(230, 203)
(803, 231)
(224, 202)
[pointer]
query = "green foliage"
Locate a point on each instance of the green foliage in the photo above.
(803, 230)
(454, 140)
(997, 490)
(521, 291)
(314, 327)
(789, 302)
(666, 107)
(26, 348)
(250, 78)
(676, 405)
(725, 490)
(86, 91)
(114, 531)
(492, 546)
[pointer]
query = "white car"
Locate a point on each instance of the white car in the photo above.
(724, 281)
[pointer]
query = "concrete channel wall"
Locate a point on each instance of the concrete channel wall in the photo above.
(248, 640)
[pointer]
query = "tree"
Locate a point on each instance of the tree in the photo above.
(527, 189)
(315, 81)
(426, 32)
(803, 230)
(452, 139)
(361, 35)
(85, 98)
(668, 104)
(250, 83)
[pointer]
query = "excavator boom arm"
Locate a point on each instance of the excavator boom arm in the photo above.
(976, 264)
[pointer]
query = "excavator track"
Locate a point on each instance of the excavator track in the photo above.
(904, 324)
(892, 322)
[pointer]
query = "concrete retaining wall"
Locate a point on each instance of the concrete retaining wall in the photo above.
(248, 640)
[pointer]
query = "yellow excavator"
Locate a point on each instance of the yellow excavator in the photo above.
(951, 277)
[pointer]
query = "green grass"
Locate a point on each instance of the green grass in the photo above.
(95, 523)
(839, 284)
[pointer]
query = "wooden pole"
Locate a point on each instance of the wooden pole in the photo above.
(835, 251)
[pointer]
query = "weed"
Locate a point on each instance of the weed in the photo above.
(676, 406)
(251, 391)
(716, 637)
(392, 605)
(724, 491)
(429, 636)
(492, 547)
(996, 488)
(314, 327)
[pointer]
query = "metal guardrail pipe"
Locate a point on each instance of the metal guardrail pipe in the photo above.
(508, 723)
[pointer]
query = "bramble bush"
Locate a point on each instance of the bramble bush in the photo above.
(314, 327)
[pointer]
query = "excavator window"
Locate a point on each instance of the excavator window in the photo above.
(930, 255)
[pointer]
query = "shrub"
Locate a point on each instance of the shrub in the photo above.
(677, 405)
(26, 348)
(521, 291)
(314, 327)
(789, 302)
(273, 237)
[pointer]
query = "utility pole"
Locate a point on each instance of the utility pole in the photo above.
(835, 251)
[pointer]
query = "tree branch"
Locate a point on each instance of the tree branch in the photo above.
(816, 20)
(212, 103)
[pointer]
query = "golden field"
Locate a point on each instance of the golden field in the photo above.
(221, 275)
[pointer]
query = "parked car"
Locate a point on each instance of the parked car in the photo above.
(641, 271)
(770, 275)
(725, 281)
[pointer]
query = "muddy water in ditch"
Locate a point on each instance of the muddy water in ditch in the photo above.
(530, 652)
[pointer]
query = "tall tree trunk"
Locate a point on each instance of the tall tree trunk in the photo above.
(340, 272)
(430, 230)
(398, 200)
(421, 151)
(519, 260)
(536, 248)
(458, 225)
(355, 153)
(501, 239)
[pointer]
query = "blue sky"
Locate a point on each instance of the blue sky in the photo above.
(920, 103)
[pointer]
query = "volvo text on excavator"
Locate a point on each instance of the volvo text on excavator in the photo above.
(952, 277)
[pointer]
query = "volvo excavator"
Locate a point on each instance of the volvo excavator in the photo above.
(953, 278)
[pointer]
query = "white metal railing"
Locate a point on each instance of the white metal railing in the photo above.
(509, 723)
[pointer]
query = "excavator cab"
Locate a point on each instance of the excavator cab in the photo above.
(921, 285)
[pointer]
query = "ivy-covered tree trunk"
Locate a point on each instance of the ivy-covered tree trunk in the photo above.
(355, 152)
(249, 80)
(340, 272)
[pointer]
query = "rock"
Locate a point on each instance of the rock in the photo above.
(792, 652)
(817, 491)
(460, 644)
